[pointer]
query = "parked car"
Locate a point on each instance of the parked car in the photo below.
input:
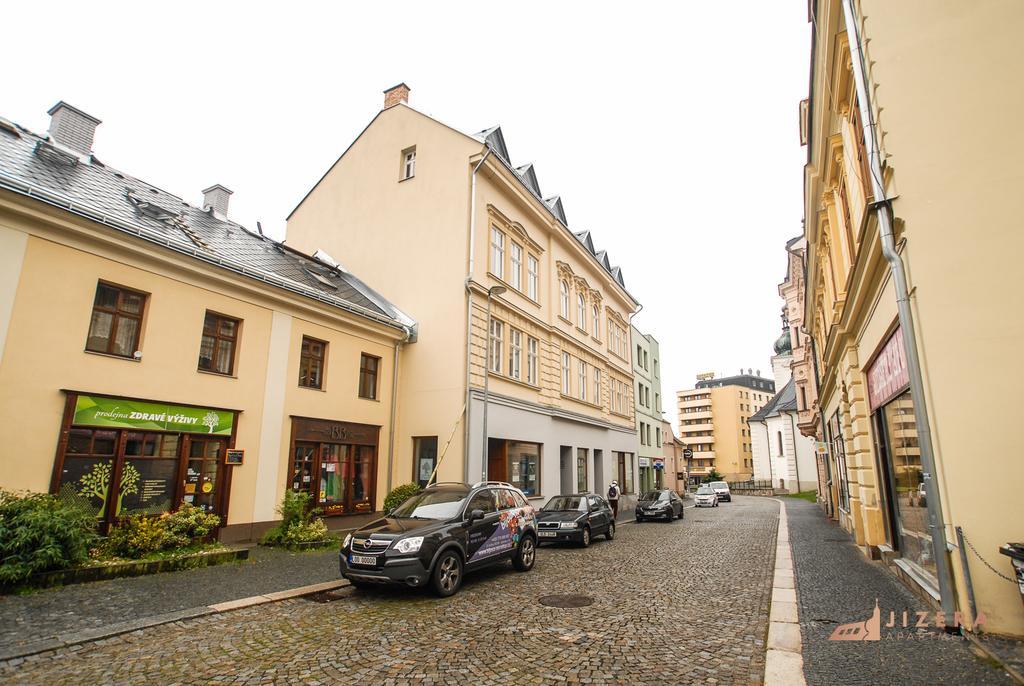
(722, 490)
(663, 504)
(436, 536)
(575, 518)
(705, 497)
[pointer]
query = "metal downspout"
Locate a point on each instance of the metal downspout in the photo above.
(906, 319)
(394, 410)
(469, 314)
(796, 454)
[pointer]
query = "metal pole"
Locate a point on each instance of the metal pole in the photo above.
(967, 578)
(487, 376)
(906, 319)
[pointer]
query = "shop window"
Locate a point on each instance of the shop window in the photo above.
(116, 321)
(368, 369)
(524, 466)
(311, 363)
(425, 458)
(581, 470)
(339, 477)
(217, 348)
(149, 475)
(87, 469)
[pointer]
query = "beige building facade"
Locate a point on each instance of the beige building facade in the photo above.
(939, 112)
(449, 227)
(713, 423)
(155, 353)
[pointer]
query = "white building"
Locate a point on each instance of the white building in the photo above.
(781, 454)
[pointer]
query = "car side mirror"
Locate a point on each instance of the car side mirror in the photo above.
(474, 515)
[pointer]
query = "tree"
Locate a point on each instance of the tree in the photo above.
(129, 484)
(713, 475)
(211, 420)
(96, 484)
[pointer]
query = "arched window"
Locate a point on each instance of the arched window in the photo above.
(581, 311)
(595, 322)
(563, 290)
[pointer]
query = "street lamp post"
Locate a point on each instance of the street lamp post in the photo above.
(492, 291)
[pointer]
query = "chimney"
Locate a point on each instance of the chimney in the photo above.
(215, 199)
(72, 127)
(395, 95)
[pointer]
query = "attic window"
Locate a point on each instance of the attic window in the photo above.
(322, 280)
(408, 164)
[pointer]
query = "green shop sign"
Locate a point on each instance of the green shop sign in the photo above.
(138, 414)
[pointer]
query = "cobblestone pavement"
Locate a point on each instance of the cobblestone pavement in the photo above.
(837, 584)
(678, 603)
(48, 613)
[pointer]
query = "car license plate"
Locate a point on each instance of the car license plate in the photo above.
(547, 534)
(369, 560)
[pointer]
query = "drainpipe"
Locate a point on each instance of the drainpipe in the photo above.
(469, 312)
(906, 318)
(796, 454)
(394, 408)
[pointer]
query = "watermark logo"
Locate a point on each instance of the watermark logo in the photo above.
(871, 628)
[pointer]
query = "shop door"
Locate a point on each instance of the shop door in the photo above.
(303, 465)
(204, 478)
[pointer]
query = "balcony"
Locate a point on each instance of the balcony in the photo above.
(703, 426)
(694, 402)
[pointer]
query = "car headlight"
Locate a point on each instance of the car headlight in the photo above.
(567, 525)
(348, 541)
(409, 545)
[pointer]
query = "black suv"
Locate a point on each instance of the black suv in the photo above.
(440, 533)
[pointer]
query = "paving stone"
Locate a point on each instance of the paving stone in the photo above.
(678, 603)
(784, 636)
(837, 584)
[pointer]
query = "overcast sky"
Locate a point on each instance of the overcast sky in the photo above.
(669, 130)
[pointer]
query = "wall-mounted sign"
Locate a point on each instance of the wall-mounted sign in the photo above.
(888, 375)
(687, 453)
(644, 461)
(93, 410)
(234, 456)
(659, 464)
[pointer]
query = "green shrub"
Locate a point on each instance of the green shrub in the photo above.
(39, 533)
(189, 525)
(138, 535)
(399, 495)
(299, 523)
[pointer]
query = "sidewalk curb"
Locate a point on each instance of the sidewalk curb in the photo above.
(784, 663)
(980, 645)
(111, 630)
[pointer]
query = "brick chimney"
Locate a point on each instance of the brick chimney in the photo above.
(395, 95)
(215, 199)
(72, 127)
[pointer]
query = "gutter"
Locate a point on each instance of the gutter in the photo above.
(394, 409)
(469, 314)
(883, 208)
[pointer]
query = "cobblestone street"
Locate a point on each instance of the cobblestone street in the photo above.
(685, 602)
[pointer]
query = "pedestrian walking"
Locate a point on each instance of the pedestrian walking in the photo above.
(613, 497)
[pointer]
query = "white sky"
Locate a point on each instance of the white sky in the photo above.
(670, 130)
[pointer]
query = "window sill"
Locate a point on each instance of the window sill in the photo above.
(581, 401)
(223, 376)
(126, 358)
(408, 178)
(372, 400)
(312, 388)
(518, 382)
(565, 320)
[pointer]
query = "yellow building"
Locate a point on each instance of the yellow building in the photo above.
(443, 220)
(713, 423)
(155, 353)
(912, 149)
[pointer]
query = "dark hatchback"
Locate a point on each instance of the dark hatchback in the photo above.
(663, 504)
(436, 536)
(575, 518)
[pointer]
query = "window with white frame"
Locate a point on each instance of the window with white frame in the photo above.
(566, 374)
(497, 252)
(408, 163)
(516, 265)
(581, 311)
(595, 322)
(582, 389)
(497, 333)
(532, 270)
(515, 353)
(531, 360)
(563, 295)
(597, 386)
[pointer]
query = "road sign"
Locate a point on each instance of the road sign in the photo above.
(687, 453)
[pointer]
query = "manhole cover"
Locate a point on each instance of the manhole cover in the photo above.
(566, 600)
(327, 596)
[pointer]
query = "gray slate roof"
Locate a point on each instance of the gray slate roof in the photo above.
(783, 401)
(31, 165)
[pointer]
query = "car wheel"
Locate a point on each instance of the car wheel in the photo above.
(447, 576)
(526, 554)
(585, 537)
(610, 534)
